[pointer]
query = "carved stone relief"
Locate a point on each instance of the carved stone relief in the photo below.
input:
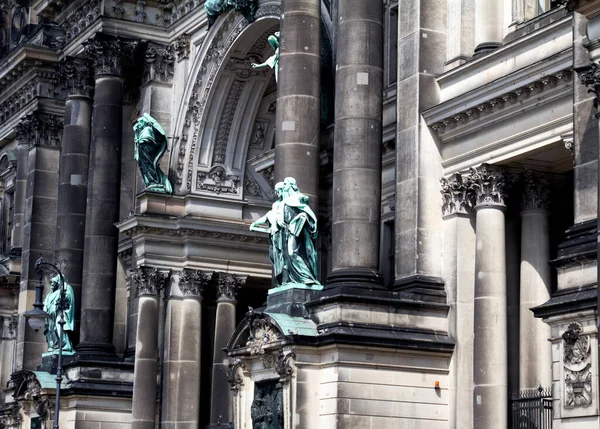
(456, 197)
(77, 76)
(80, 18)
(110, 56)
(262, 333)
(577, 366)
(182, 47)
(217, 181)
(252, 188)
(535, 191)
(159, 63)
(228, 285)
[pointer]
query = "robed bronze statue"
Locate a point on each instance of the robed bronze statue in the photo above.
(52, 307)
(150, 146)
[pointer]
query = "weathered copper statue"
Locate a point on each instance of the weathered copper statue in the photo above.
(293, 230)
(214, 8)
(150, 145)
(273, 60)
(52, 307)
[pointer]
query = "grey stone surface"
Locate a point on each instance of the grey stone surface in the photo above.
(221, 395)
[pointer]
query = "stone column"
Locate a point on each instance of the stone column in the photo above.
(459, 274)
(535, 351)
(221, 401)
(298, 98)
(149, 284)
(76, 75)
(357, 147)
(20, 188)
(490, 396)
(489, 15)
(42, 131)
(110, 57)
(181, 365)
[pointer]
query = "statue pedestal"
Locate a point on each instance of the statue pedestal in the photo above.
(50, 362)
(290, 299)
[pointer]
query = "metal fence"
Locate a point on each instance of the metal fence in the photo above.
(531, 409)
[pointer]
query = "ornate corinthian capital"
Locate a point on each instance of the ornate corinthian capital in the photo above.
(110, 56)
(590, 76)
(227, 286)
(535, 192)
(489, 185)
(160, 63)
(193, 282)
(149, 280)
(182, 47)
(456, 197)
(77, 77)
(40, 129)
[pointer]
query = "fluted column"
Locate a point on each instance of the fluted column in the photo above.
(357, 147)
(490, 376)
(110, 57)
(459, 274)
(182, 362)
(298, 98)
(489, 15)
(76, 75)
(535, 351)
(149, 283)
(221, 401)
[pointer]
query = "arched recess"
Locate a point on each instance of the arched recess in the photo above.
(226, 123)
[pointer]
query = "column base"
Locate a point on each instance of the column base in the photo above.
(290, 300)
(96, 352)
(421, 288)
(485, 48)
(353, 281)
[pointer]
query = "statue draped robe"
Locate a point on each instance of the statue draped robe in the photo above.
(51, 330)
(150, 146)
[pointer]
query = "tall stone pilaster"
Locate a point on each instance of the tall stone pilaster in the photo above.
(357, 147)
(298, 98)
(489, 15)
(459, 274)
(535, 352)
(42, 132)
(76, 76)
(490, 376)
(110, 56)
(182, 362)
(221, 402)
(149, 283)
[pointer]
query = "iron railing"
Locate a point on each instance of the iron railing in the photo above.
(531, 409)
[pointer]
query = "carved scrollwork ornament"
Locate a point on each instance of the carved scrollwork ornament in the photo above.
(149, 280)
(228, 285)
(535, 192)
(193, 282)
(182, 47)
(160, 63)
(590, 76)
(262, 333)
(284, 367)
(234, 374)
(456, 197)
(77, 77)
(489, 185)
(577, 367)
(40, 129)
(110, 56)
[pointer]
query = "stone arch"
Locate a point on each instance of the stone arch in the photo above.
(221, 100)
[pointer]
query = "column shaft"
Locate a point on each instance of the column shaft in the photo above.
(298, 97)
(357, 147)
(535, 350)
(490, 346)
(146, 364)
(489, 15)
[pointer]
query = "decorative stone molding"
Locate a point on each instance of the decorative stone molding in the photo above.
(193, 233)
(590, 77)
(40, 129)
(269, 175)
(535, 191)
(577, 366)
(138, 13)
(456, 195)
(217, 181)
(9, 327)
(489, 185)
(19, 100)
(118, 9)
(110, 56)
(149, 281)
(229, 30)
(160, 63)
(228, 285)
(262, 332)
(234, 377)
(252, 188)
(77, 77)
(501, 102)
(182, 47)
(10, 416)
(284, 367)
(220, 149)
(259, 132)
(80, 18)
(193, 282)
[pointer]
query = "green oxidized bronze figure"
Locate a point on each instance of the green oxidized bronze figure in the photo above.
(51, 306)
(150, 146)
(214, 8)
(293, 230)
(273, 60)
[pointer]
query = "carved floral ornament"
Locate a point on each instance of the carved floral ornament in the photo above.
(77, 77)
(40, 129)
(590, 76)
(110, 56)
(535, 191)
(193, 282)
(577, 367)
(228, 285)
(262, 332)
(160, 63)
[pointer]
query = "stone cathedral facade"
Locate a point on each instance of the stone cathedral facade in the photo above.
(449, 150)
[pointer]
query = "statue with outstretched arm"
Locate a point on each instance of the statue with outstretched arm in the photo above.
(272, 61)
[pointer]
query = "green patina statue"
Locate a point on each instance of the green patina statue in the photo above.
(272, 61)
(214, 8)
(292, 226)
(52, 307)
(150, 145)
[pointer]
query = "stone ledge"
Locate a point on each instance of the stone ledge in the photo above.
(568, 301)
